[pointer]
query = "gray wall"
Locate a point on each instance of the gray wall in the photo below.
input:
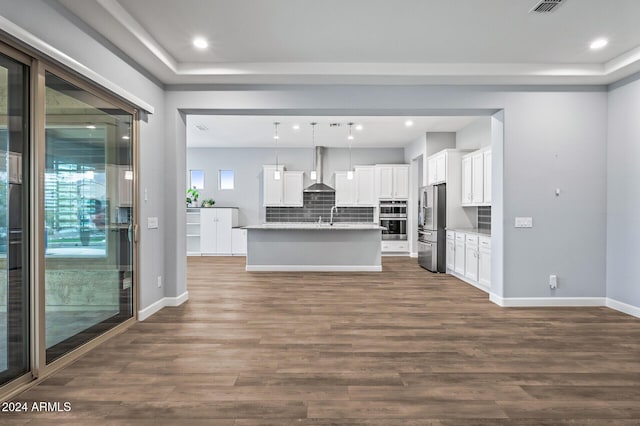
(552, 138)
(247, 166)
(476, 135)
(437, 141)
(43, 20)
(623, 195)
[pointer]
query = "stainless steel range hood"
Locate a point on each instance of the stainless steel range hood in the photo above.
(319, 186)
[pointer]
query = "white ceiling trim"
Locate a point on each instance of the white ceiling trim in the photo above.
(45, 48)
(116, 10)
(419, 70)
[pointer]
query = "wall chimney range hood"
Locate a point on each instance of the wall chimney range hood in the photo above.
(320, 186)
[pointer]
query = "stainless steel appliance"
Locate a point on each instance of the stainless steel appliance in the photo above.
(431, 228)
(393, 216)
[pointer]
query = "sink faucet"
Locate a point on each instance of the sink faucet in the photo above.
(333, 209)
(319, 219)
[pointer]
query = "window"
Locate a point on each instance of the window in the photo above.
(197, 179)
(226, 179)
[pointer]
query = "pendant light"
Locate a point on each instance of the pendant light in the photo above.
(276, 174)
(350, 138)
(312, 174)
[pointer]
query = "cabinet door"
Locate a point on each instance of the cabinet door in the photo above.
(432, 173)
(441, 168)
(365, 186)
(477, 184)
(459, 257)
(224, 225)
(487, 177)
(385, 182)
(345, 190)
(239, 241)
(484, 266)
(293, 186)
(272, 188)
(208, 231)
(466, 180)
(401, 182)
(471, 262)
(451, 254)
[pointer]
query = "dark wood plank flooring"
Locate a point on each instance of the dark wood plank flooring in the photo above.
(401, 347)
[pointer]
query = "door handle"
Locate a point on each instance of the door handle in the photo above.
(135, 233)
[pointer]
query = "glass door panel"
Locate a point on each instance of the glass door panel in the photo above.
(88, 216)
(14, 238)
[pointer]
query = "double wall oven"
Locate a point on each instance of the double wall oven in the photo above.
(393, 216)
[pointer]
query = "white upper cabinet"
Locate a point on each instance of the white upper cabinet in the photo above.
(477, 182)
(476, 178)
(437, 168)
(487, 177)
(392, 181)
(365, 189)
(466, 181)
(293, 189)
(286, 191)
(272, 188)
(345, 190)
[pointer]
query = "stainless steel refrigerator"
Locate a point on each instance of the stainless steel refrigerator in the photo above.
(432, 221)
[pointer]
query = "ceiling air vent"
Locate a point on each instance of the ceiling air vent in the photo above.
(546, 6)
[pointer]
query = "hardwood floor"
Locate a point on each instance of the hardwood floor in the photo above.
(401, 347)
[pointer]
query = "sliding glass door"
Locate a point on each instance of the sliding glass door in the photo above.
(14, 238)
(88, 209)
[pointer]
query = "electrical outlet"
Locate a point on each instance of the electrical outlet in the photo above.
(553, 281)
(159, 281)
(523, 222)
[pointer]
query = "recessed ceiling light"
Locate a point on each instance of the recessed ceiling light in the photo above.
(91, 126)
(350, 137)
(200, 43)
(296, 127)
(276, 137)
(358, 127)
(126, 138)
(408, 123)
(599, 43)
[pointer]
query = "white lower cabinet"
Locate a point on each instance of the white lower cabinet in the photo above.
(238, 241)
(391, 246)
(216, 225)
(469, 258)
(484, 264)
(459, 253)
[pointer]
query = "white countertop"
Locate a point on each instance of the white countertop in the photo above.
(317, 226)
(482, 232)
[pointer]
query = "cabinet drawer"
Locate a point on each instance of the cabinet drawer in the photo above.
(472, 239)
(451, 235)
(460, 236)
(485, 242)
(395, 246)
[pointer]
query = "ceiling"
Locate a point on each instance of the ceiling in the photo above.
(371, 41)
(223, 131)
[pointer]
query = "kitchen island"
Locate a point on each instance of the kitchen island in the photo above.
(314, 247)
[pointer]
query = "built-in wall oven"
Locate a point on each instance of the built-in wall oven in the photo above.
(393, 216)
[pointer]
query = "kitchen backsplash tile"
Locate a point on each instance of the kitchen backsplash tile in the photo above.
(484, 218)
(316, 205)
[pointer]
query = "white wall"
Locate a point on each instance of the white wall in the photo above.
(40, 19)
(415, 155)
(623, 195)
(553, 138)
(475, 135)
(247, 166)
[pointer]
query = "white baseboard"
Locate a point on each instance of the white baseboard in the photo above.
(313, 268)
(623, 307)
(468, 281)
(413, 255)
(145, 313)
(524, 302)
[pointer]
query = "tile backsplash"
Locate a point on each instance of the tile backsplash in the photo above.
(318, 204)
(484, 218)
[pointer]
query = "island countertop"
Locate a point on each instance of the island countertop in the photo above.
(306, 226)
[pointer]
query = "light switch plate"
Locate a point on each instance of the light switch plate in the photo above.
(524, 222)
(152, 222)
